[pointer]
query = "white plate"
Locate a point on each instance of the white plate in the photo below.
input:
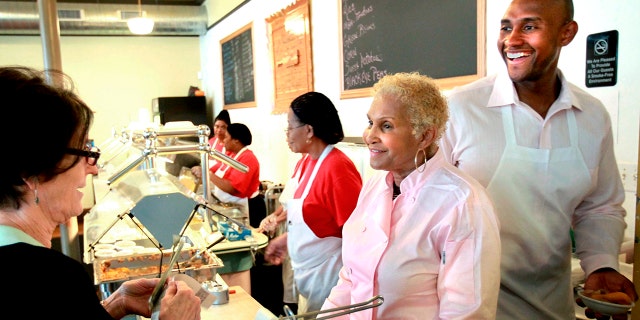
(104, 246)
(105, 253)
(606, 308)
(124, 244)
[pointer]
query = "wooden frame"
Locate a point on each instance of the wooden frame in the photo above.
(443, 83)
(238, 73)
(290, 41)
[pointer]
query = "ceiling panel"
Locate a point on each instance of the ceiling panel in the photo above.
(144, 2)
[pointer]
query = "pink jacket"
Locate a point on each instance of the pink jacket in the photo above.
(432, 253)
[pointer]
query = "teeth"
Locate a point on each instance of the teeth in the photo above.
(516, 55)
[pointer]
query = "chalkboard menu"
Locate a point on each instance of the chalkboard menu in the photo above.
(237, 69)
(441, 39)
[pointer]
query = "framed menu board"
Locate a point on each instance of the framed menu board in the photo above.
(441, 39)
(237, 69)
(290, 42)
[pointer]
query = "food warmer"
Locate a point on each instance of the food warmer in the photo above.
(141, 211)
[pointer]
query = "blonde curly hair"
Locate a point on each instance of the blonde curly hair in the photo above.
(425, 105)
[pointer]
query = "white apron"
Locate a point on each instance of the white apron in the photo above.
(535, 220)
(213, 162)
(243, 203)
(315, 261)
(290, 292)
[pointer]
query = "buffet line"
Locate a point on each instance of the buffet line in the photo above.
(147, 223)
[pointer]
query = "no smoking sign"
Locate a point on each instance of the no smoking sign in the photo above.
(602, 59)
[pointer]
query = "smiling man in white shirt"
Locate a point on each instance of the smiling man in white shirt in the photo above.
(543, 148)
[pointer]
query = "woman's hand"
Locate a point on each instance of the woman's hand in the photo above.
(276, 250)
(271, 222)
(268, 224)
(132, 297)
(179, 302)
(197, 172)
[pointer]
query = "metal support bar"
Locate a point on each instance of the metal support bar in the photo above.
(50, 36)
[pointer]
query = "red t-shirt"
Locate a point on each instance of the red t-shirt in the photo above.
(246, 184)
(333, 194)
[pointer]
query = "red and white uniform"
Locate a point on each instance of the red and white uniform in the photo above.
(326, 192)
(218, 145)
(246, 184)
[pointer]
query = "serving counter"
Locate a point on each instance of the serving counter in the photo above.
(141, 212)
(241, 306)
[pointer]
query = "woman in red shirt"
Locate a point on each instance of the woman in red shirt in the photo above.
(317, 200)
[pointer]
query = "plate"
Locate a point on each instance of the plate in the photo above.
(603, 307)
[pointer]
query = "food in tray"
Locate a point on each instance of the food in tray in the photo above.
(613, 297)
(116, 268)
(606, 303)
(125, 267)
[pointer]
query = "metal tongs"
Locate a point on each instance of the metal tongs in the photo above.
(157, 291)
(371, 303)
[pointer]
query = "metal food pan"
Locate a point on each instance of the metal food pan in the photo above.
(201, 266)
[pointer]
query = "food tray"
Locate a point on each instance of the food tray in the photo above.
(200, 266)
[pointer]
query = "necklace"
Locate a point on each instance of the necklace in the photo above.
(396, 191)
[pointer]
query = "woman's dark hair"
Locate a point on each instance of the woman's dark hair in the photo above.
(40, 121)
(316, 110)
(223, 116)
(241, 132)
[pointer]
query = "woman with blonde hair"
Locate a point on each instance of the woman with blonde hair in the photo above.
(423, 234)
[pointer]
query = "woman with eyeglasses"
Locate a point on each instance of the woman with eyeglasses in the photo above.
(39, 190)
(317, 200)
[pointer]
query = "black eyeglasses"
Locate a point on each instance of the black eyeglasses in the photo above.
(288, 129)
(90, 153)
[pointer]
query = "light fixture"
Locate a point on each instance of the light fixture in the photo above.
(141, 24)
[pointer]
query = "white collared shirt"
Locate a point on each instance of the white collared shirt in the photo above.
(10, 235)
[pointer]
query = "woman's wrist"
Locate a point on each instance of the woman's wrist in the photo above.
(112, 306)
(267, 223)
(280, 216)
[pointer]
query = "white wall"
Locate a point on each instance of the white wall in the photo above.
(116, 76)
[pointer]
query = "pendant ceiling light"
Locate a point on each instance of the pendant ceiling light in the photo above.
(140, 24)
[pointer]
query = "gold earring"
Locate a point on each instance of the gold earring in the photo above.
(415, 159)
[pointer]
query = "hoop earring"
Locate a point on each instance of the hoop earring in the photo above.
(415, 160)
(35, 191)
